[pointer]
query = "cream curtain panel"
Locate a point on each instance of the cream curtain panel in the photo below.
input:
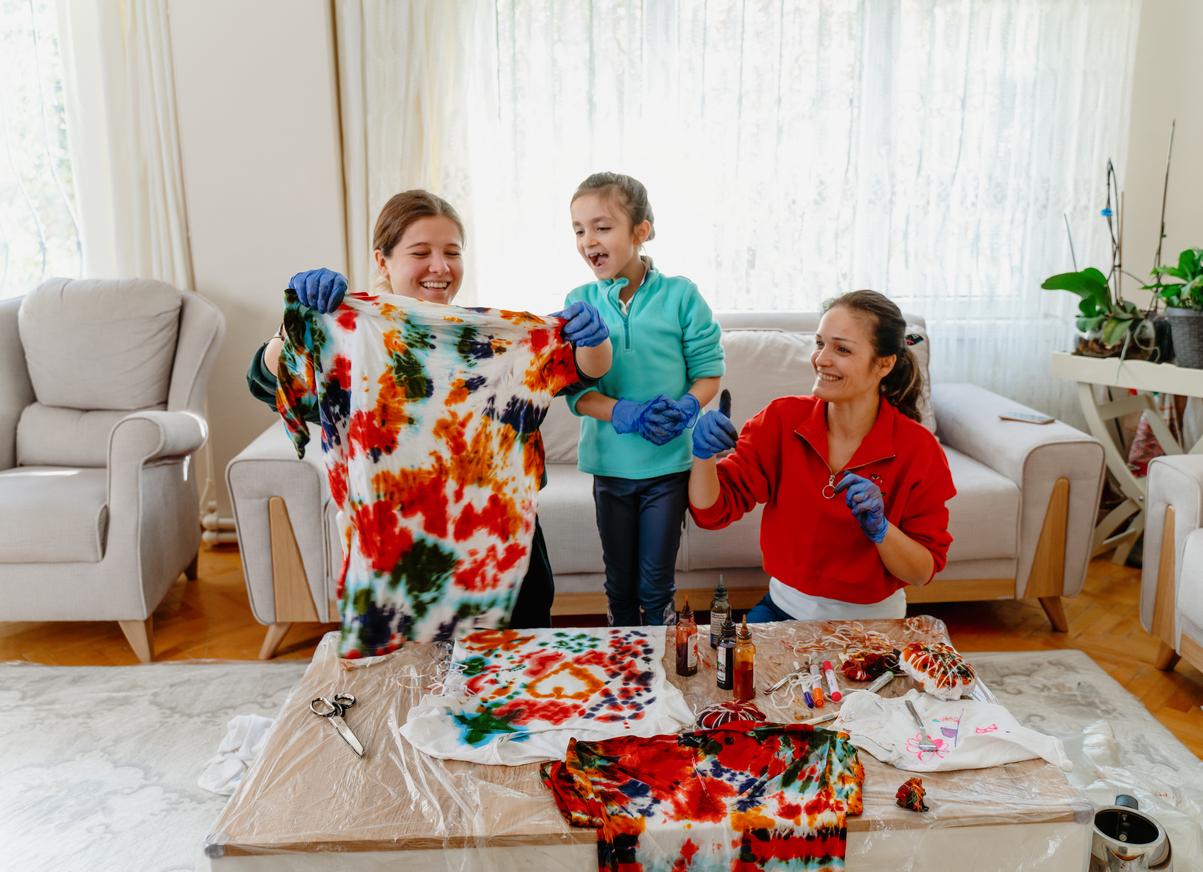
(926, 148)
(405, 70)
(125, 148)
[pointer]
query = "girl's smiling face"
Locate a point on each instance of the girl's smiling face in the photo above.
(845, 361)
(427, 263)
(604, 236)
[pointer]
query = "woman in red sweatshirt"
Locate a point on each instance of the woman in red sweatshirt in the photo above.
(855, 488)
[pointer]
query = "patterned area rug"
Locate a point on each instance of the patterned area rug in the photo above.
(99, 764)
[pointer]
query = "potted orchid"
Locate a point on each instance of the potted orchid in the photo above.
(1180, 287)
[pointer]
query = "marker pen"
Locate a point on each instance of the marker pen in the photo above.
(831, 685)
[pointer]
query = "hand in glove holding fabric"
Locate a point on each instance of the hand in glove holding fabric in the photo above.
(319, 289)
(654, 420)
(713, 433)
(583, 325)
(864, 500)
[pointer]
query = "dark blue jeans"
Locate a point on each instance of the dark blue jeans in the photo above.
(640, 521)
(765, 611)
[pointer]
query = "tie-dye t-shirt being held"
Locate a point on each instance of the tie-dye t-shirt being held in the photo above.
(430, 421)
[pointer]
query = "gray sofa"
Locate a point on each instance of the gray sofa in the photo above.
(102, 387)
(1021, 521)
(1171, 593)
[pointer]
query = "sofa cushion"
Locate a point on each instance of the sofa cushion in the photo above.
(1190, 582)
(100, 344)
(732, 547)
(762, 365)
(561, 431)
(53, 515)
(569, 520)
(53, 436)
(984, 515)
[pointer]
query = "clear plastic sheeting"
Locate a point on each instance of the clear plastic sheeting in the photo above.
(311, 803)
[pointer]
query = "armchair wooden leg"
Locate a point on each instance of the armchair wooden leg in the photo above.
(1055, 609)
(190, 570)
(1167, 658)
(140, 635)
(275, 635)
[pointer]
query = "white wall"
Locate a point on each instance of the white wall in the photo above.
(1167, 77)
(259, 133)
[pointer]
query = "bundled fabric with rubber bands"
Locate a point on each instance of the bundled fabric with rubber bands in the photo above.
(430, 421)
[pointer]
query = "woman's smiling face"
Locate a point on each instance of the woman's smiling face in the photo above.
(427, 263)
(845, 361)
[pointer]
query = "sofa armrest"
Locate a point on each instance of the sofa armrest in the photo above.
(1173, 483)
(1034, 457)
(16, 390)
(267, 468)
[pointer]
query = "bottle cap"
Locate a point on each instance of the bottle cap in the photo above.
(687, 612)
(722, 588)
(826, 665)
(744, 632)
(728, 627)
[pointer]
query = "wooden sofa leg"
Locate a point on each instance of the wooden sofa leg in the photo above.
(190, 569)
(275, 635)
(1055, 609)
(1046, 579)
(1167, 658)
(141, 637)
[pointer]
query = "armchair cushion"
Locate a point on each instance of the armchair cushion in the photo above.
(54, 436)
(100, 344)
(53, 515)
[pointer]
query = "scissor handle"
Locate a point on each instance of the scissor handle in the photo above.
(335, 705)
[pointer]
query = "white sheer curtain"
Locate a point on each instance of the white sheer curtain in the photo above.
(925, 148)
(407, 70)
(124, 140)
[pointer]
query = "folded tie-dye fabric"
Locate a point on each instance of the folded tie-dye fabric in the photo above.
(518, 696)
(430, 421)
(739, 796)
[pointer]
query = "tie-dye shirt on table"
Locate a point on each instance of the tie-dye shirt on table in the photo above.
(430, 421)
(740, 797)
(518, 696)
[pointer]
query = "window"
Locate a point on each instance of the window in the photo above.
(39, 232)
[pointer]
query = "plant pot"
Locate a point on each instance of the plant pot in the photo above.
(1186, 325)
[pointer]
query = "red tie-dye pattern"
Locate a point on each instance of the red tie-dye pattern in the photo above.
(667, 785)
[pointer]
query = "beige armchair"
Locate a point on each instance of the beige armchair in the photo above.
(102, 388)
(1171, 591)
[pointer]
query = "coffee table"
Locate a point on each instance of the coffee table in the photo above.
(310, 803)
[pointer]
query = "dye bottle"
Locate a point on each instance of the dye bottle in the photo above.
(687, 642)
(724, 659)
(720, 611)
(744, 658)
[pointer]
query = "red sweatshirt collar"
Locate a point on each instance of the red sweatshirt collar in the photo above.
(877, 445)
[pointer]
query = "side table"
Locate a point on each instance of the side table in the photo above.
(1145, 378)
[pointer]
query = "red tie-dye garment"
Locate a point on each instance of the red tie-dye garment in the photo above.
(736, 797)
(430, 421)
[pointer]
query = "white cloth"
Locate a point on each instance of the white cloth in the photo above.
(968, 734)
(245, 737)
(804, 607)
(518, 696)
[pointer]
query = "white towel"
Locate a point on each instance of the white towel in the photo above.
(968, 733)
(245, 737)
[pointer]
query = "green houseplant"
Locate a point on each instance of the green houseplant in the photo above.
(1180, 287)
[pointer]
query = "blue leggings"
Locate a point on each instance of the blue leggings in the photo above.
(640, 521)
(765, 611)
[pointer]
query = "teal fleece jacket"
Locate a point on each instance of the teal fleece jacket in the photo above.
(667, 341)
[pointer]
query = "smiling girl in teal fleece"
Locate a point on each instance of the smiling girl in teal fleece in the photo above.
(635, 433)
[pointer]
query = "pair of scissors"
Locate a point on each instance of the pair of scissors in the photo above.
(333, 709)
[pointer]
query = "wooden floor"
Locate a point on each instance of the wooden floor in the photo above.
(211, 618)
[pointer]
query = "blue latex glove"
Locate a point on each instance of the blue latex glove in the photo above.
(651, 419)
(584, 326)
(320, 289)
(864, 499)
(713, 433)
(690, 406)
